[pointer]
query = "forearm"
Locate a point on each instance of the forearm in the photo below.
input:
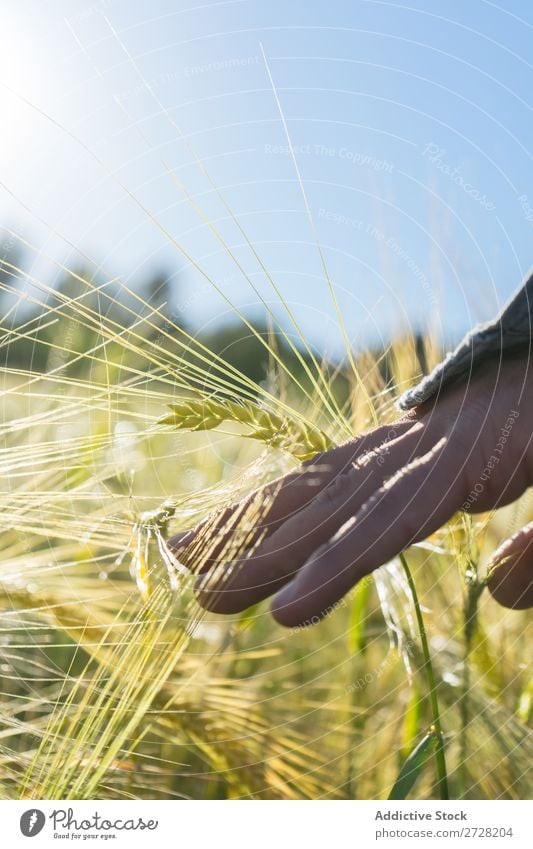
(509, 333)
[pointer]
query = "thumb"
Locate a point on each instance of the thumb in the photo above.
(511, 571)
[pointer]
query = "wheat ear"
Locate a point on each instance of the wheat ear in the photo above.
(300, 439)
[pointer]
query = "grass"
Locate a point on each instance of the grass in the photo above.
(114, 683)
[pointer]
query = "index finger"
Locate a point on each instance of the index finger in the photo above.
(407, 508)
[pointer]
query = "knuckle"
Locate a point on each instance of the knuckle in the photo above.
(337, 491)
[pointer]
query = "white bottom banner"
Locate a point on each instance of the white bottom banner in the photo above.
(262, 824)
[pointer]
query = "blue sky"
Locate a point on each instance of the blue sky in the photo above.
(410, 125)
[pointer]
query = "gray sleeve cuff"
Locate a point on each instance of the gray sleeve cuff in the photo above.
(509, 332)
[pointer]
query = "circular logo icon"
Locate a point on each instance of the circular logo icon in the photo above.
(32, 822)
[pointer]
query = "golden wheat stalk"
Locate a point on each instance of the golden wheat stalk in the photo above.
(298, 438)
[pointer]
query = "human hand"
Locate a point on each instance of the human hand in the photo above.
(355, 507)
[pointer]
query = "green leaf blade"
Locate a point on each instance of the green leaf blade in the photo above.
(412, 768)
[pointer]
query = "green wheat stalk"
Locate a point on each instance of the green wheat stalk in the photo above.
(298, 438)
(440, 757)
